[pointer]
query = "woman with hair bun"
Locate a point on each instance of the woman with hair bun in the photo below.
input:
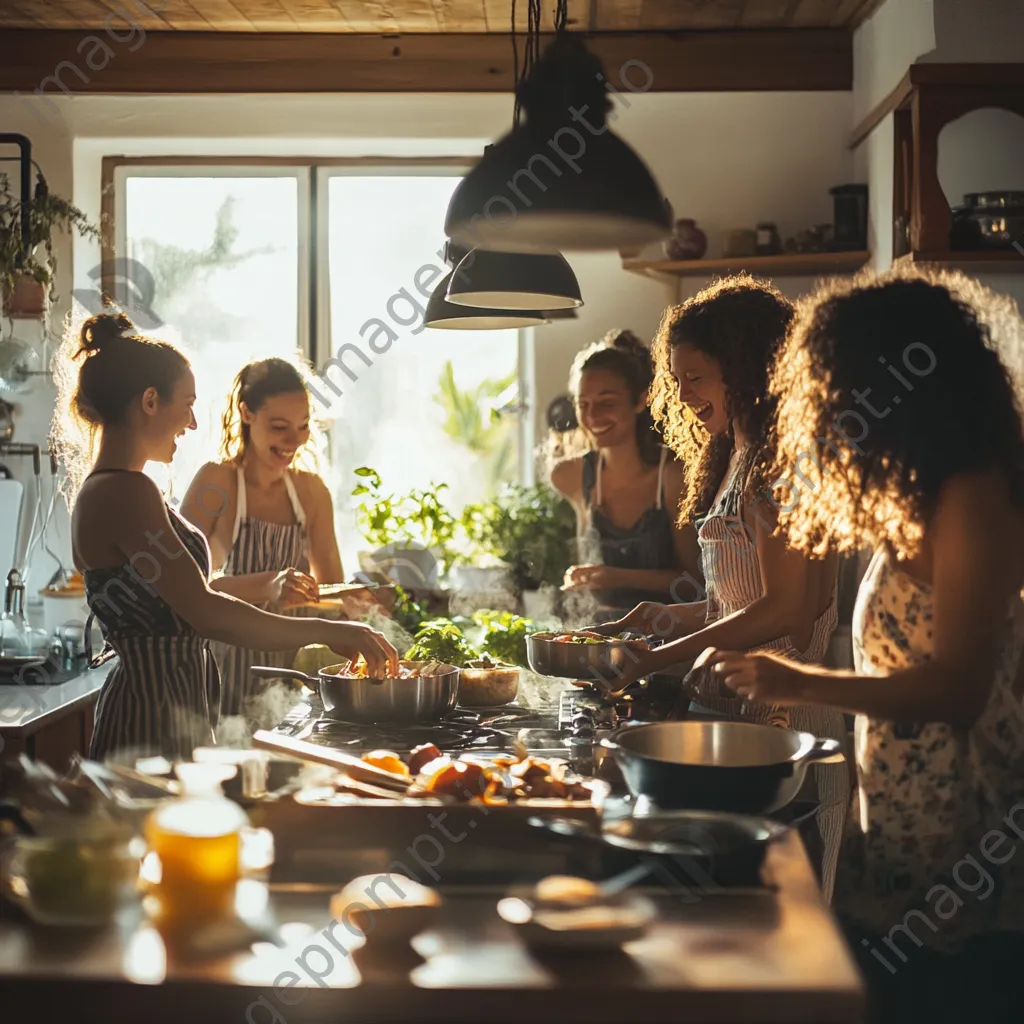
(625, 485)
(123, 401)
(270, 526)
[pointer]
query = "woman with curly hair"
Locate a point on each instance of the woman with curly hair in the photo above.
(624, 485)
(900, 431)
(713, 357)
(270, 526)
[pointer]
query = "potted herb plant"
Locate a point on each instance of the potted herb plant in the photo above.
(413, 533)
(28, 268)
(532, 530)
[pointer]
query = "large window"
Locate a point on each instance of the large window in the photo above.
(333, 263)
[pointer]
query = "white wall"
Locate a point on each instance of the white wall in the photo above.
(728, 160)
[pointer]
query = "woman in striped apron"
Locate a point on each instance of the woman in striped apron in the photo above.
(626, 485)
(270, 526)
(145, 568)
(714, 354)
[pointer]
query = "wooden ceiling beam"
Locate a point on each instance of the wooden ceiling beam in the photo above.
(296, 62)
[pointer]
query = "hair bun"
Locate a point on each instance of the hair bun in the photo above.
(99, 332)
(627, 341)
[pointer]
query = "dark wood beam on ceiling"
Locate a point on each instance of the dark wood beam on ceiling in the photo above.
(223, 62)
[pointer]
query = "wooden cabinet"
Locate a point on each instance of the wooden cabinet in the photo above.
(929, 97)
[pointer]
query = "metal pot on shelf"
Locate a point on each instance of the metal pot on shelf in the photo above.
(719, 766)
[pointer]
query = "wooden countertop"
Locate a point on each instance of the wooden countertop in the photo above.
(772, 955)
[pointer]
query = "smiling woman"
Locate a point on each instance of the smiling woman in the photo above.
(270, 526)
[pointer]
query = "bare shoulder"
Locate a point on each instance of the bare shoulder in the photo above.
(211, 493)
(313, 492)
(982, 496)
(122, 485)
(567, 476)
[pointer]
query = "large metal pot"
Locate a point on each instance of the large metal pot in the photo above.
(721, 766)
(605, 661)
(425, 698)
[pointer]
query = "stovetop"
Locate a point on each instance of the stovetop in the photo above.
(571, 728)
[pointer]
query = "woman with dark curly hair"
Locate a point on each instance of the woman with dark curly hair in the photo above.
(624, 485)
(713, 357)
(900, 431)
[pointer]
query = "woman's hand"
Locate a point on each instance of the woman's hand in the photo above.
(350, 639)
(767, 678)
(648, 617)
(290, 587)
(591, 577)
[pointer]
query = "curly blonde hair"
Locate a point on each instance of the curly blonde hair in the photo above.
(740, 322)
(253, 385)
(923, 345)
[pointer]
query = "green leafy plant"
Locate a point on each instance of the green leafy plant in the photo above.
(407, 613)
(531, 529)
(441, 641)
(473, 419)
(417, 518)
(504, 636)
(35, 257)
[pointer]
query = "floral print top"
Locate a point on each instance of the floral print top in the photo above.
(929, 795)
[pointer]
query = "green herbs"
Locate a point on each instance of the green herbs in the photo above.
(417, 518)
(504, 636)
(501, 640)
(531, 529)
(440, 641)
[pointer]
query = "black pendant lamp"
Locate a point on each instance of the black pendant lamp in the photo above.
(447, 316)
(561, 179)
(514, 280)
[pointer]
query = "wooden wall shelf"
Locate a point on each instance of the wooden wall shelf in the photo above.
(797, 264)
(994, 261)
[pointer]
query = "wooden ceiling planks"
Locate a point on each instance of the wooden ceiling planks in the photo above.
(245, 62)
(456, 16)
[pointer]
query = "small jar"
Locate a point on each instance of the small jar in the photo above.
(768, 241)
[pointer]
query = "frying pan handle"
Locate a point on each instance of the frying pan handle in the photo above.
(826, 751)
(267, 672)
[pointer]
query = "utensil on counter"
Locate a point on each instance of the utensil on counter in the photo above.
(423, 698)
(334, 589)
(354, 767)
(720, 766)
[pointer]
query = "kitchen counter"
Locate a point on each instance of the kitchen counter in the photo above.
(769, 955)
(26, 709)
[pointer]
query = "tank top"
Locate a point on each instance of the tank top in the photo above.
(930, 797)
(647, 544)
(163, 695)
(259, 546)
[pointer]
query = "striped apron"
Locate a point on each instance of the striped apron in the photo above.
(163, 695)
(732, 575)
(259, 546)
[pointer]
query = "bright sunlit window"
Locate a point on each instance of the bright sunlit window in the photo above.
(235, 276)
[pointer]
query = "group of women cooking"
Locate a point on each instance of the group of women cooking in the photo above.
(876, 414)
(726, 471)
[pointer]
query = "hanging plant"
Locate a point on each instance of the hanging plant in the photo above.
(24, 263)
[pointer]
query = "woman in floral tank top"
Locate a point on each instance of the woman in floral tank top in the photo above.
(900, 431)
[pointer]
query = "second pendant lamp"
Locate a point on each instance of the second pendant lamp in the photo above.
(510, 280)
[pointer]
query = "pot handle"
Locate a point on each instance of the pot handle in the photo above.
(267, 672)
(826, 751)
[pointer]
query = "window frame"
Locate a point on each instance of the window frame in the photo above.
(313, 175)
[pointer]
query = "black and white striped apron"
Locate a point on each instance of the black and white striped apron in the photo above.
(732, 574)
(163, 695)
(259, 546)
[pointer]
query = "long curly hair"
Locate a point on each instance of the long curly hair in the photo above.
(623, 353)
(887, 386)
(740, 322)
(254, 384)
(99, 368)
